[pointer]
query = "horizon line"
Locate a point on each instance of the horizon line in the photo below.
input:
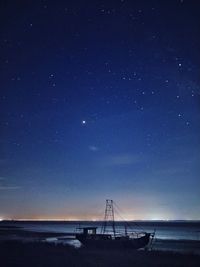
(99, 220)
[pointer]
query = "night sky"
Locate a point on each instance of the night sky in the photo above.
(100, 99)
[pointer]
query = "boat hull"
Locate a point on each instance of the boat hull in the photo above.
(101, 242)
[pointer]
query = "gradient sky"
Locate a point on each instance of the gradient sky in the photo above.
(100, 99)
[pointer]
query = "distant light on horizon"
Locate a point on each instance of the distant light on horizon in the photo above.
(89, 213)
(87, 217)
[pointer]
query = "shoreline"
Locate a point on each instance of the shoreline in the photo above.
(68, 238)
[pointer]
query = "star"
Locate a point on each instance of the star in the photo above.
(83, 122)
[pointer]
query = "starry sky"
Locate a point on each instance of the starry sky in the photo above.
(100, 99)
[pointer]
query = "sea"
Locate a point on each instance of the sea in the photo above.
(182, 236)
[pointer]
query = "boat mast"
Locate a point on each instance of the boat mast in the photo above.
(109, 217)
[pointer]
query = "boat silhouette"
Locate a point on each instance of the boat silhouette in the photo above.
(89, 236)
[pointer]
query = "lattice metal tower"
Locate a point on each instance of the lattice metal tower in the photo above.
(109, 219)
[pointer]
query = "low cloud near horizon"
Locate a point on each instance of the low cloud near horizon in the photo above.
(4, 186)
(121, 159)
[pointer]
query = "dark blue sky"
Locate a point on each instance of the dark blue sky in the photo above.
(100, 99)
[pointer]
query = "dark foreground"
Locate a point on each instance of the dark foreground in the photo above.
(14, 253)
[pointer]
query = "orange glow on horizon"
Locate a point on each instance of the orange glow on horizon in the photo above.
(85, 218)
(128, 214)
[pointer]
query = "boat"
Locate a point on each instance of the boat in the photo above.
(90, 237)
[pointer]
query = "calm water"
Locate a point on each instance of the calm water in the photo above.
(163, 230)
(168, 235)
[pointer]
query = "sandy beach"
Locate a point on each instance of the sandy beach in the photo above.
(15, 253)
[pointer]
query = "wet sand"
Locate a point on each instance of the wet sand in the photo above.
(15, 253)
(18, 233)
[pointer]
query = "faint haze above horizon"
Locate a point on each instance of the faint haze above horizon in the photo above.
(100, 99)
